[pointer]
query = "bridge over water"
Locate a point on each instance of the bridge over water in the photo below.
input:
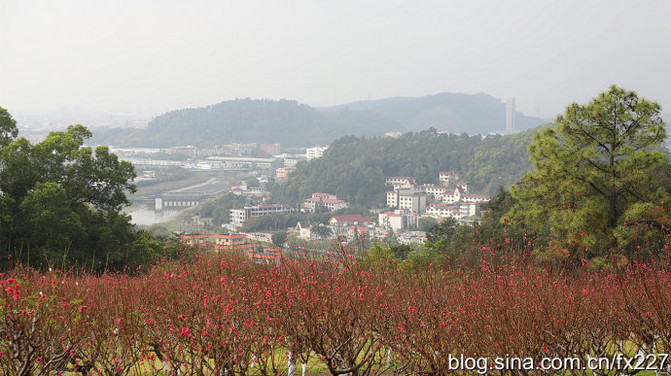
(175, 200)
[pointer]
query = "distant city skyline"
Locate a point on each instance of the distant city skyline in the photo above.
(146, 57)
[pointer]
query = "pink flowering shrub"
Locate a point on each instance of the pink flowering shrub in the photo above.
(226, 315)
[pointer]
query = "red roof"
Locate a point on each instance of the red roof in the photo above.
(325, 200)
(230, 236)
(195, 236)
(351, 218)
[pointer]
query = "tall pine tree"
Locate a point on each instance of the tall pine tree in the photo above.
(590, 188)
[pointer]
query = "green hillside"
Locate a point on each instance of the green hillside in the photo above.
(354, 168)
(245, 120)
(447, 112)
(297, 125)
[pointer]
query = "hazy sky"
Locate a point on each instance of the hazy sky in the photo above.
(144, 56)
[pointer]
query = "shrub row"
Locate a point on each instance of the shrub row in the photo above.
(224, 316)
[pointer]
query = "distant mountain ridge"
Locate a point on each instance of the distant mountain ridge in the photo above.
(298, 125)
(447, 112)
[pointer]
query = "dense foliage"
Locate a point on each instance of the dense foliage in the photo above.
(60, 203)
(292, 124)
(245, 120)
(219, 208)
(595, 183)
(354, 168)
(226, 316)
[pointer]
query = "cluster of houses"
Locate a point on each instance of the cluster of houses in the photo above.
(323, 201)
(240, 242)
(449, 199)
(340, 226)
(408, 200)
(319, 201)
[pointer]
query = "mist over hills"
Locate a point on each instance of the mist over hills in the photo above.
(294, 125)
(447, 112)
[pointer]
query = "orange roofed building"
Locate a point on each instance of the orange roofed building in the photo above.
(198, 240)
(233, 242)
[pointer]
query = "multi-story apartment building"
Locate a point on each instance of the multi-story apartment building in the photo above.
(474, 198)
(452, 196)
(315, 152)
(415, 202)
(401, 182)
(239, 216)
(435, 191)
(198, 240)
(440, 210)
(324, 200)
(184, 150)
(238, 242)
(398, 219)
(469, 209)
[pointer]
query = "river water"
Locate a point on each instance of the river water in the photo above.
(145, 215)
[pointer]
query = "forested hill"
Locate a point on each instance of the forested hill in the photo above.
(354, 168)
(245, 120)
(447, 112)
(292, 124)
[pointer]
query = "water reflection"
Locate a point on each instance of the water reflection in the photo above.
(145, 215)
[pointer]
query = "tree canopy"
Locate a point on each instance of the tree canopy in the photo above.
(60, 202)
(247, 120)
(263, 121)
(594, 181)
(354, 169)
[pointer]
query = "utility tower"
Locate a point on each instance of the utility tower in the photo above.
(510, 116)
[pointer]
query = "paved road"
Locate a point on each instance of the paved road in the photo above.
(209, 181)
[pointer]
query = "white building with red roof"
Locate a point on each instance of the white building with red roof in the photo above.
(469, 209)
(397, 219)
(239, 216)
(349, 220)
(435, 191)
(453, 199)
(454, 196)
(441, 210)
(324, 200)
(400, 182)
